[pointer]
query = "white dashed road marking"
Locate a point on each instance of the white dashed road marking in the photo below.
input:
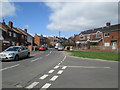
(50, 51)
(9, 67)
(53, 78)
(60, 72)
(59, 64)
(35, 59)
(32, 85)
(51, 71)
(44, 76)
(47, 85)
(64, 67)
(56, 67)
(47, 54)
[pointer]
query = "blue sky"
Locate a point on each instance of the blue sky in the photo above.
(48, 18)
(34, 16)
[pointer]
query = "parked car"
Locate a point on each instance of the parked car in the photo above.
(60, 48)
(41, 48)
(15, 53)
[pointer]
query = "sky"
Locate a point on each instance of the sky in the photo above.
(48, 18)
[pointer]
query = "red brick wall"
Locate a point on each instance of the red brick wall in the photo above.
(77, 37)
(37, 40)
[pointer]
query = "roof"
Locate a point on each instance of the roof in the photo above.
(23, 32)
(102, 29)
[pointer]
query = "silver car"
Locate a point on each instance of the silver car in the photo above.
(60, 48)
(14, 53)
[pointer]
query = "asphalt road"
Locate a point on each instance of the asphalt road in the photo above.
(55, 69)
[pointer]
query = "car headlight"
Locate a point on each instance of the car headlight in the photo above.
(11, 54)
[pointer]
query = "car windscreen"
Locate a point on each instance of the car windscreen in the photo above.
(12, 49)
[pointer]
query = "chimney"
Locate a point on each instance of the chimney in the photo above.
(25, 30)
(107, 24)
(3, 21)
(10, 24)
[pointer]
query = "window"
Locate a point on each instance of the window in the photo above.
(88, 36)
(99, 35)
(14, 35)
(22, 36)
(81, 37)
(107, 44)
(13, 43)
(106, 34)
(10, 33)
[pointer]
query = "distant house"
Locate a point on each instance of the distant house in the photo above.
(40, 40)
(107, 38)
(53, 40)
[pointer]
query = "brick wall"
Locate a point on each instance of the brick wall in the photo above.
(37, 40)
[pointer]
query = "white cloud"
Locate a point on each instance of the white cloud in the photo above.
(81, 15)
(26, 26)
(7, 9)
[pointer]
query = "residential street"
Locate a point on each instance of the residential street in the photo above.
(55, 69)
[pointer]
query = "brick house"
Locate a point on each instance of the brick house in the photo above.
(40, 40)
(53, 40)
(11, 36)
(105, 38)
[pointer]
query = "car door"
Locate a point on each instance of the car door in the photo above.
(25, 51)
(20, 52)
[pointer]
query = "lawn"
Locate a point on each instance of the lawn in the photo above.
(96, 55)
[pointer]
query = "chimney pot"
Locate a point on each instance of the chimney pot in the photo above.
(10, 24)
(107, 24)
(25, 30)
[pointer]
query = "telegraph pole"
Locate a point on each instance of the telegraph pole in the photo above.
(59, 34)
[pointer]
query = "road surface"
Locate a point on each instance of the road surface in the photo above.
(56, 69)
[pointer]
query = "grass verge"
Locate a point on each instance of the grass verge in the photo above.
(96, 55)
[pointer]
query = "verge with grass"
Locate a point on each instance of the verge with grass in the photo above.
(96, 55)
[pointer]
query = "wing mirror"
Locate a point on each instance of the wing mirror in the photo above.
(19, 50)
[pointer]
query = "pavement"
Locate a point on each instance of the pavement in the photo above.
(54, 69)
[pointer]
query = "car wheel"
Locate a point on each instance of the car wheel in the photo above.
(16, 57)
(28, 55)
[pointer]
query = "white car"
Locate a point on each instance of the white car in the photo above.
(60, 48)
(14, 53)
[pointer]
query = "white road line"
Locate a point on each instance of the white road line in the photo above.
(32, 85)
(59, 64)
(51, 71)
(87, 67)
(60, 72)
(56, 67)
(9, 67)
(50, 51)
(64, 58)
(47, 85)
(47, 54)
(35, 59)
(64, 67)
(44, 76)
(41, 58)
(53, 78)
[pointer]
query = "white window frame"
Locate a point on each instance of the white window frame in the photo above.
(22, 36)
(107, 44)
(14, 35)
(13, 43)
(10, 33)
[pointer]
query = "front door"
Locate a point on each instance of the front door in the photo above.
(114, 44)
